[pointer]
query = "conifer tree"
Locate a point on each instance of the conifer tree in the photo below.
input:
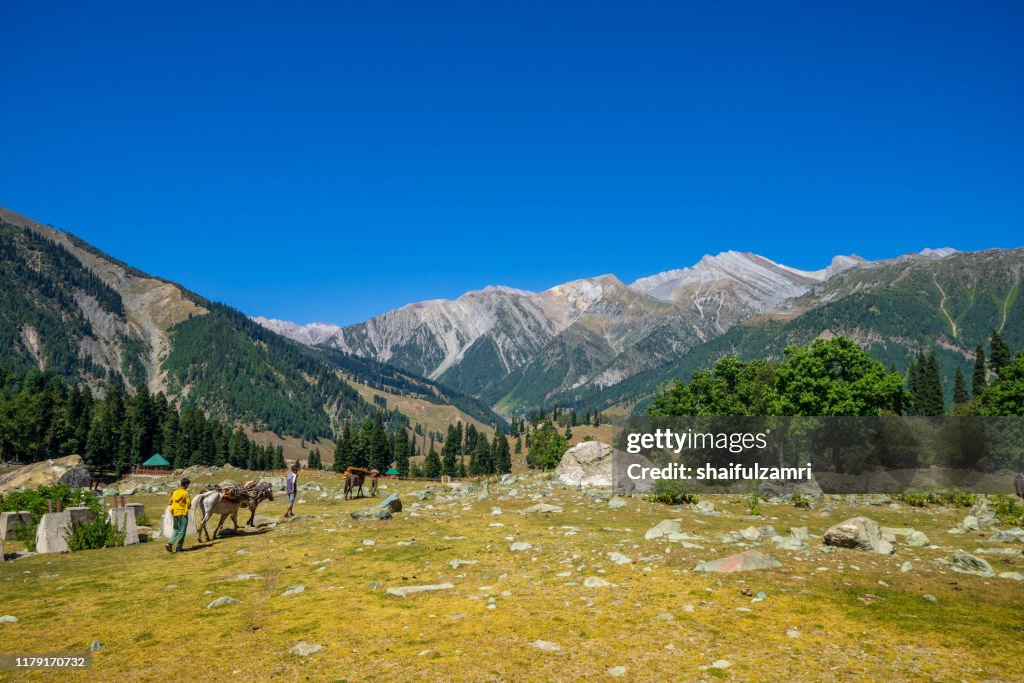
(960, 388)
(432, 465)
(1000, 356)
(979, 379)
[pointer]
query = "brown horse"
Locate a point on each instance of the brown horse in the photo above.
(354, 478)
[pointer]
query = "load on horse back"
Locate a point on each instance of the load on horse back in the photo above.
(354, 478)
(225, 501)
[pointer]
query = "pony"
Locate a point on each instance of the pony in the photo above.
(354, 478)
(217, 502)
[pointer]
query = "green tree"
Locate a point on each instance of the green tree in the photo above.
(732, 387)
(546, 447)
(500, 455)
(979, 379)
(1000, 356)
(432, 465)
(1005, 396)
(960, 394)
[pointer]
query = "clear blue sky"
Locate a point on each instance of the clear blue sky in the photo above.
(331, 161)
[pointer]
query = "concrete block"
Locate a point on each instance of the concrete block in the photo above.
(9, 521)
(52, 534)
(124, 520)
(80, 515)
(167, 524)
(138, 508)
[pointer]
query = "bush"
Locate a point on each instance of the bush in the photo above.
(1008, 509)
(924, 498)
(799, 500)
(753, 504)
(99, 533)
(673, 492)
(37, 500)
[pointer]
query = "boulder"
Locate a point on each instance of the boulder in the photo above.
(663, 528)
(392, 502)
(46, 473)
(858, 533)
(965, 563)
(749, 534)
(703, 507)
(741, 562)
(616, 502)
(376, 512)
(917, 539)
(586, 464)
(1014, 535)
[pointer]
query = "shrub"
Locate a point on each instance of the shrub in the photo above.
(37, 500)
(753, 504)
(799, 500)
(1008, 509)
(673, 492)
(99, 533)
(923, 498)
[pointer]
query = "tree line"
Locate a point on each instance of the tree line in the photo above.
(42, 416)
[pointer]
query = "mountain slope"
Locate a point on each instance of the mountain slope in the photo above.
(515, 349)
(67, 306)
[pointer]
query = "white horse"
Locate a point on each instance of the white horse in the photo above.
(214, 502)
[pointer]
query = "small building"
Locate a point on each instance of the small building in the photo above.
(157, 462)
(392, 472)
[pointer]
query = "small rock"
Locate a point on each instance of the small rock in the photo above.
(95, 646)
(540, 507)
(792, 633)
(721, 664)
(1015, 535)
(615, 503)
(294, 590)
(663, 528)
(858, 533)
(519, 546)
(596, 582)
(930, 598)
(750, 533)
(617, 671)
(403, 591)
(619, 558)
(369, 541)
(917, 539)
(304, 649)
(906, 567)
(8, 619)
(546, 646)
(745, 561)
(1016, 576)
(222, 602)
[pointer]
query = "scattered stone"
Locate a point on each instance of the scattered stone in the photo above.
(546, 646)
(745, 561)
(495, 511)
(587, 464)
(970, 523)
(750, 533)
(369, 541)
(8, 619)
(222, 602)
(392, 502)
(858, 533)
(596, 582)
(304, 649)
(245, 577)
(930, 598)
(1015, 535)
(403, 591)
(540, 507)
(1016, 576)
(372, 513)
(703, 507)
(906, 567)
(455, 564)
(617, 671)
(788, 543)
(799, 532)
(294, 590)
(793, 633)
(663, 528)
(519, 546)
(917, 539)
(616, 502)
(965, 563)
(721, 664)
(95, 646)
(619, 558)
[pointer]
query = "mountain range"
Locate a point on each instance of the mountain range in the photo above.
(67, 307)
(599, 342)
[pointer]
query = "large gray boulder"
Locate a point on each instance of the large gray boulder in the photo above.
(45, 473)
(859, 533)
(965, 563)
(586, 464)
(1014, 535)
(372, 513)
(392, 502)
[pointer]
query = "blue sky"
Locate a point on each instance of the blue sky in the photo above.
(332, 161)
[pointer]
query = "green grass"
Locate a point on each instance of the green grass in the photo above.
(121, 598)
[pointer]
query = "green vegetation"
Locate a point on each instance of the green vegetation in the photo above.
(1008, 509)
(673, 492)
(546, 447)
(801, 501)
(99, 533)
(923, 498)
(42, 417)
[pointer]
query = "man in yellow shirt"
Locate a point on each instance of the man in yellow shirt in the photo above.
(180, 503)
